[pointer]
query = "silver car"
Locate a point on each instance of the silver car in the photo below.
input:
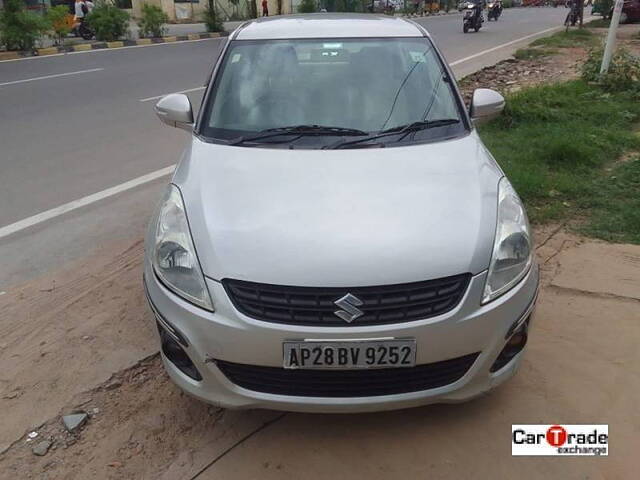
(336, 237)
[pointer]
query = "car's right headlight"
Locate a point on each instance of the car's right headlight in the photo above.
(512, 255)
(174, 257)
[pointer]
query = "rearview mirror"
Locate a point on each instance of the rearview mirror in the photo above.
(175, 110)
(486, 104)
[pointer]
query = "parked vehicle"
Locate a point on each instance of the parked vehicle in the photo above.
(336, 237)
(494, 10)
(386, 6)
(630, 11)
(472, 17)
(601, 7)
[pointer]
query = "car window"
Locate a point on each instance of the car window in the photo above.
(364, 84)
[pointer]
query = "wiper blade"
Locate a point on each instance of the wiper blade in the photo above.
(399, 130)
(423, 125)
(299, 130)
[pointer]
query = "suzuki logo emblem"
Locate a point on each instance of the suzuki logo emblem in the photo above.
(349, 305)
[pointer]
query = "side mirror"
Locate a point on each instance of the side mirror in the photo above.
(486, 104)
(175, 110)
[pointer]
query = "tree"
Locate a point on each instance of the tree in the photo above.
(108, 21)
(61, 22)
(152, 20)
(253, 8)
(307, 6)
(19, 28)
(212, 19)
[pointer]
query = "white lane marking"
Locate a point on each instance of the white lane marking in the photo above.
(33, 79)
(178, 42)
(484, 52)
(181, 91)
(84, 201)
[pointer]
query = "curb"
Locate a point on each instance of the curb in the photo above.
(9, 55)
(83, 47)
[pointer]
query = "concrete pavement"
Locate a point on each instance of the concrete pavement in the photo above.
(88, 125)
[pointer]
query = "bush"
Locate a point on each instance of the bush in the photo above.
(61, 22)
(307, 6)
(19, 28)
(507, 3)
(623, 74)
(109, 22)
(152, 21)
(212, 18)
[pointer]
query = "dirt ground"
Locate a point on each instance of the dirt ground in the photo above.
(513, 75)
(82, 340)
(581, 367)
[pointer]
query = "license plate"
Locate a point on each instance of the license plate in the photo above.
(350, 354)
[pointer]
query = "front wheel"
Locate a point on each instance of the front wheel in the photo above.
(475, 29)
(465, 28)
(85, 32)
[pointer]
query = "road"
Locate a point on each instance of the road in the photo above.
(77, 124)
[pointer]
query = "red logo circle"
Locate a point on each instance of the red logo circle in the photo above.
(556, 436)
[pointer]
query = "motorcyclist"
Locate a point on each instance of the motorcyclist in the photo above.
(574, 11)
(479, 6)
(497, 4)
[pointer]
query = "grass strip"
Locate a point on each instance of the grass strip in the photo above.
(573, 38)
(533, 53)
(555, 143)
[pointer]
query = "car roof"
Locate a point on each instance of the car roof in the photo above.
(327, 25)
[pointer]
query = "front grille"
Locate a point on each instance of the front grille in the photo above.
(346, 383)
(315, 306)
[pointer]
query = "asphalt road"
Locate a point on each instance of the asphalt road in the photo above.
(89, 126)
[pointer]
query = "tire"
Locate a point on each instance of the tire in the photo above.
(465, 28)
(475, 29)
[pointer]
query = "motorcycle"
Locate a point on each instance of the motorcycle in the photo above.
(574, 14)
(84, 31)
(472, 17)
(494, 10)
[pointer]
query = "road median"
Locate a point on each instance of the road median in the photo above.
(83, 47)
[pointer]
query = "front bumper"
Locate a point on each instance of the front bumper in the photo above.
(233, 337)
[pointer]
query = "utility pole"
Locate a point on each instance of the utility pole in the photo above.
(611, 37)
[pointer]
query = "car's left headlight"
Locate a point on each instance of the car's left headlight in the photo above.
(174, 256)
(512, 256)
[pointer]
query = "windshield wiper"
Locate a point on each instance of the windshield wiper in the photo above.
(298, 130)
(402, 130)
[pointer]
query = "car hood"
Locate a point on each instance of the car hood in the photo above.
(340, 217)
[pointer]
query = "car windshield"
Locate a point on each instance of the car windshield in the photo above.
(367, 85)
